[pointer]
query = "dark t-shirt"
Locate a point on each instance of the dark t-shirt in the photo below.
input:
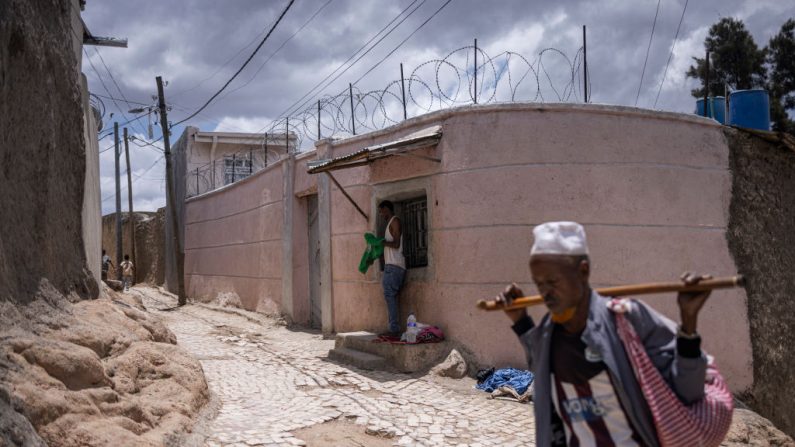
(584, 396)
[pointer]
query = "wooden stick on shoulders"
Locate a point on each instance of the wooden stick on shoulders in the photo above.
(635, 289)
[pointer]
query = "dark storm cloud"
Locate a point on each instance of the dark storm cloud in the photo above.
(197, 45)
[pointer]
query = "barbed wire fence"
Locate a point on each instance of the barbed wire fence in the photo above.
(467, 75)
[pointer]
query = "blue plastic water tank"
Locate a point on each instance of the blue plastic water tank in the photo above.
(750, 108)
(716, 110)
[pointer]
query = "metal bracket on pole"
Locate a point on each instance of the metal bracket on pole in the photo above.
(345, 193)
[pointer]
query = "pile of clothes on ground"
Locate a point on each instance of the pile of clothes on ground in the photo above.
(506, 382)
(426, 334)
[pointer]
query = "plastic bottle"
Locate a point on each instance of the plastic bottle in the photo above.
(411, 329)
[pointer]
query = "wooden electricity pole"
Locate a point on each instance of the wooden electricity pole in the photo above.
(170, 196)
(117, 154)
(130, 217)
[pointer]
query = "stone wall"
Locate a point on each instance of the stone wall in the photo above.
(761, 237)
(149, 244)
(41, 172)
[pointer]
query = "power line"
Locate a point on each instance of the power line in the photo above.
(122, 124)
(653, 25)
(218, 70)
(292, 108)
(96, 50)
(242, 67)
(665, 72)
(280, 47)
(117, 99)
(137, 177)
(404, 41)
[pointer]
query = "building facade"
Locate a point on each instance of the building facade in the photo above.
(284, 240)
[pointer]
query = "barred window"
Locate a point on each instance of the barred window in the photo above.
(414, 223)
(236, 168)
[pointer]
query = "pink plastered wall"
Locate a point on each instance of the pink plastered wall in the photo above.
(651, 188)
(233, 242)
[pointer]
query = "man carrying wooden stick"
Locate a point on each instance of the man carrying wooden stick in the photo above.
(586, 392)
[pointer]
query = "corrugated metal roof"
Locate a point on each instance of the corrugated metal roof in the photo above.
(429, 136)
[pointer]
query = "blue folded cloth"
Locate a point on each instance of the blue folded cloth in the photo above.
(518, 379)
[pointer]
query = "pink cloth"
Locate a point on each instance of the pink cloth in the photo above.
(704, 423)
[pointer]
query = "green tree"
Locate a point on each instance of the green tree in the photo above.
(781, 62)
(734, 59)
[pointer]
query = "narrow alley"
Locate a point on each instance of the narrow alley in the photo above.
(274, 385)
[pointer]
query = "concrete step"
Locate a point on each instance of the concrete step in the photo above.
(358, 359)
(403, 357)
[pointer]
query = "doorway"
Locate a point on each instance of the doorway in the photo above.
(315, 313)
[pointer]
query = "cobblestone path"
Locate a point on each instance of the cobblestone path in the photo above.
(271, 382)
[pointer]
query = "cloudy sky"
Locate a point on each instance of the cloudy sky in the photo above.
(197, 45)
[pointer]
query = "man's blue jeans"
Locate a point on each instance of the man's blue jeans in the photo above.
(392, 282)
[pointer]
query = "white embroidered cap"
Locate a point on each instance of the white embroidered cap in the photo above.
(559, 238)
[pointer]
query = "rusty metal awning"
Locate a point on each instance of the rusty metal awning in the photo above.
(427, 137)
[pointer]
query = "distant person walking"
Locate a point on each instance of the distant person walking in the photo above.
(106, 263)
(127, 272)
(395, 264)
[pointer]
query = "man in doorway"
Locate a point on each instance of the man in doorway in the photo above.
(586, 393)
(106, 263)
(394, 265)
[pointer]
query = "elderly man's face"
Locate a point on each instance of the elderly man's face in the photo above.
(561, 280)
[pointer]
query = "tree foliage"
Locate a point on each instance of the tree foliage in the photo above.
(781, 63)
(734, 60)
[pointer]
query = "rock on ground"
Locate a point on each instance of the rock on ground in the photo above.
(751, 429)
(93, 373)
(453, 366)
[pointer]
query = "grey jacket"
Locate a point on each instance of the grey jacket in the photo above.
(685, 375)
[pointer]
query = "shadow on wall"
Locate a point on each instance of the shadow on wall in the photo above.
(761, 237)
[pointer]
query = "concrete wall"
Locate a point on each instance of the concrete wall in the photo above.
(652, 190)
(761, 238)
(234, 242)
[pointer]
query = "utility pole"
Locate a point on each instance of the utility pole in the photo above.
(117, 154)
(170, 196)
(130, 216)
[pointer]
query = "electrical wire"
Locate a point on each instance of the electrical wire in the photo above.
(648, 49)
(671, 54)
(287, 8)
(404, 41)
(112, 78)
(279, 49)
(221, 67)
(110, 132)
(118, 99)
(298, 104)
(137, 177)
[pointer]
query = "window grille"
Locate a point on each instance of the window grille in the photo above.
(414, 222)
(236, 168)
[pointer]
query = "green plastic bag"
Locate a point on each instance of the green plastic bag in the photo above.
(374, 250)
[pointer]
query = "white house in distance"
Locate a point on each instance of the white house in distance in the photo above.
(206, 161)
